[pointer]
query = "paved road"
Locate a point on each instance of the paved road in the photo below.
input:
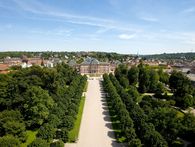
(96, 129)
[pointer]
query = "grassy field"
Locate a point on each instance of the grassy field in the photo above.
(31, 135)
(73, 134)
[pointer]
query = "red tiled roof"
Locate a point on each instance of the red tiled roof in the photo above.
(4, 67)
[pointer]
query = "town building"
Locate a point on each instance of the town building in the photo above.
(12, 61)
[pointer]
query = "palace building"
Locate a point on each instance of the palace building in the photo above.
(92, 66)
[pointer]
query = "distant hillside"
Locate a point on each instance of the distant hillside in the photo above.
(102, 56)
(189, 56)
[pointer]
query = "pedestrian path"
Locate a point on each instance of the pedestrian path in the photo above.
(96, 128)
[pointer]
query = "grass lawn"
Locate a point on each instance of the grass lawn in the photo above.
(85, 88)
(180, 114)
(73, 134)
(31, 135)
(169, 93)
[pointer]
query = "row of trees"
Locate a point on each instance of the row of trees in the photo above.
(144, 130)
(39, 99)
(181, 56)
(160, 114)
(183, 91)
(168, 121)
(126, 123)
(146, 78)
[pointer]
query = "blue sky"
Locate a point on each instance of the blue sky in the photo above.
(123, 26)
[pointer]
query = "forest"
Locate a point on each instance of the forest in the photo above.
(146, 106)
(102, 56)
(188, 56)
(39, 105)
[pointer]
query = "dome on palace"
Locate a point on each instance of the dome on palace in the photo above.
(94, 61)
(90, 60)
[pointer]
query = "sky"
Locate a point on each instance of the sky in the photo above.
(122, 26)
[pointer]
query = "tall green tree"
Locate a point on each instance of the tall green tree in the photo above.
(133, 75)
(37, 105)
(39, 143)
(46, 132)
(163, 76)
(154, 79)
(144, 79)
(9, 141)
(180, 84)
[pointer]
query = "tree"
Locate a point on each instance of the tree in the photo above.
(53, 120)
(67, 122)
(126, 123)
(144, 79)
(163, 76)
(46, 132)
(134, 143)
(159, 89)
(182, 88)
(11, 122)
(151, 137)
(180, 84)
(58, 143)
(166, 122)
(15, 128)
(39, 143)
(120, 71)
(133, 75)
(4, 82)
(133, 93)
(62, 134)
(187, 130)
(188, 101)
(154, 79)
(37, 105)
(9, 141)
(124, 82)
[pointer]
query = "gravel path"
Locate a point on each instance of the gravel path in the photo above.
(96, 129)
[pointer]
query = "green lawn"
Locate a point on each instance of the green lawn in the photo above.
(85, 88)
(73, 134)
(31, 135)
(169, 93)
(180, 114)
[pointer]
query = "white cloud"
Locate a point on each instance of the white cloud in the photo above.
(151, 19)
(189, 10)
(53, 14)
(42, 9)
(126, 36)
(102, 30)
(55, 32)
